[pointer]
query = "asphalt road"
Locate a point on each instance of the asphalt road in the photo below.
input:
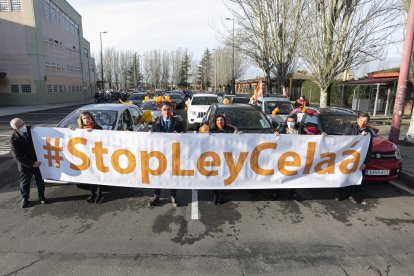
(251, 234)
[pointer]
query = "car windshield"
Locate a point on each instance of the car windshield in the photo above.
(105, 118)
(138, 97)
(204, 100)
(241, 100)
(150, 105)
(284, 107)
(175, 96)
(335, 125)
(246, 119)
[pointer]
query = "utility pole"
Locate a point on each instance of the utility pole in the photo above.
(403, 78)
(233, 80)
(102, 74)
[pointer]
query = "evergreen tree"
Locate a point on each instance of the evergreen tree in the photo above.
(184, 73)
(134, 73)
(204, 70)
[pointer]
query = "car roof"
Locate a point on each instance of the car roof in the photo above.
(111, 106)
(280, 99)
(204, 95)
(235, 105)
(330, 111)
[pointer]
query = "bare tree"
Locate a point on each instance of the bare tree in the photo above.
(152, 64)
(222, 63)
(165, 69)
(268, 34)
(176, 59)
(108, 61)
(340, 35)
(124, 59)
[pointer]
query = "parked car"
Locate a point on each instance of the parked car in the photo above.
(136, 98)
(235, 99)
(385, 163)
(197, 108)
(108, 116)
(268, 104)
(153, 107)
(177, 100)
(243, 117)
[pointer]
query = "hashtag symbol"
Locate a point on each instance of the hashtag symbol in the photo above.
(53, 152)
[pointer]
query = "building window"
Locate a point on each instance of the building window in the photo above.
(49, 88)
(16, 5)
(55, 88)
(77, 88)
(4, 5)
(15, 88)
(60, 88)
(26, 88)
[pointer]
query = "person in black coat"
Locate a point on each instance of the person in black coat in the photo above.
(169, 124)
(220, 126)
(88, 122)
(24, 153)
(359, 128)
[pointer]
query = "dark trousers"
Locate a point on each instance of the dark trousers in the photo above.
(96, 190)
(26, 176)
(157, 192)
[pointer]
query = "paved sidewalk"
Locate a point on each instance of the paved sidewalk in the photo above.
(11, 110)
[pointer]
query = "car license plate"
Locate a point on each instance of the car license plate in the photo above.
(377, 172)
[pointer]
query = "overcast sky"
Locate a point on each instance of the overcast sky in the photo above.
(143, 25)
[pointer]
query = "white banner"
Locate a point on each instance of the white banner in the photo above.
(198, 160)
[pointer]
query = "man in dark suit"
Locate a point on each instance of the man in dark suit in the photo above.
(24, 153)
(166, 122)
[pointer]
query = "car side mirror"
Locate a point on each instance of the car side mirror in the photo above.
(131, 128)
(275, 124)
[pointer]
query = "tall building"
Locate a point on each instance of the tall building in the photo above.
(44, 58)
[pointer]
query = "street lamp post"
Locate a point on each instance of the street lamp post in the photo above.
(102, 75)
(233, 81)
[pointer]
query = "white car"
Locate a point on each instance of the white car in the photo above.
(108, 116)
(268, 104)
(198, 107)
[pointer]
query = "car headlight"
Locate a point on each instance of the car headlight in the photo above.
(397, 154)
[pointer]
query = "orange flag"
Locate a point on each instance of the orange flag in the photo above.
(258, 92)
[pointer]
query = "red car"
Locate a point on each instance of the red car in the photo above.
(385, 163)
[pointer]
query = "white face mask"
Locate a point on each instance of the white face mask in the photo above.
(291, 124)
(22, 129)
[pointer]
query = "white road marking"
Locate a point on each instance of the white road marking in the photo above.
(194, 204)
(402, 187)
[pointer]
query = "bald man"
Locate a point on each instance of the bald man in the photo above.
(24, 153)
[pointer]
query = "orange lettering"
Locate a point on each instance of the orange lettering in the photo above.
(330, 162)
(310, 153)
(234, 169)
(254, 159)
(82, 156)
(282, 163)
(98, 150)
(343, 166)
(176, 162)
(146, 170)
(132, 163)
(202, 163)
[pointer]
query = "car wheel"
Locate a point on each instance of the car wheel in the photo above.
(188, 127)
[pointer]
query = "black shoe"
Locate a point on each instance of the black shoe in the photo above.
(42, 200)
(99, 198)
(154, 201)
(215, 199)
(220, 198)
(174, 201)
(24, 203)
(91, 199)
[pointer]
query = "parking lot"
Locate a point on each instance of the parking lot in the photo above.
(252, 233)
